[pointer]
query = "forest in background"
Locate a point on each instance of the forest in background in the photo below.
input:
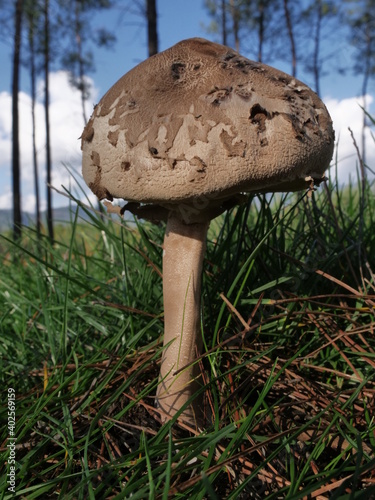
(47, 35)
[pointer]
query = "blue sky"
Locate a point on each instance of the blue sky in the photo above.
(178, 19)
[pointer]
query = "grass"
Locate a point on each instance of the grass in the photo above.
(289, 335)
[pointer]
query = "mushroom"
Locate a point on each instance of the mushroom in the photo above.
(180, 137)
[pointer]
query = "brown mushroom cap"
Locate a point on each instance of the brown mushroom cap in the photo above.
(200, 122)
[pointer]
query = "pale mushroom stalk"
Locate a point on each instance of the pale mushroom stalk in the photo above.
(183, 253)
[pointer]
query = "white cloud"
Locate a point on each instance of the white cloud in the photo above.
(346, 114)
(28, 203)
(66, 125)
(5, 129)
(5, 201)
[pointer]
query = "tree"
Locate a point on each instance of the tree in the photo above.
(361, 19)
(252, 22)
(83, 62)
(261, 20)
(235, 15)
(316, 54)
(217, 9)
(319, 20)
(226, 18)
(152, 32)
(291, 36)
(74, 24)
(16, 163)
(32, 14)
(47, 120)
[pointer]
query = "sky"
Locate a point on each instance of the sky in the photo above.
(178, 19)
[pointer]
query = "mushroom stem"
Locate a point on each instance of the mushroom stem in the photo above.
(184, 248)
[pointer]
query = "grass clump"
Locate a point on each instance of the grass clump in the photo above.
(288, 365)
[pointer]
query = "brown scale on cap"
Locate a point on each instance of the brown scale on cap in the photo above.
(180, 137)
(199, 120)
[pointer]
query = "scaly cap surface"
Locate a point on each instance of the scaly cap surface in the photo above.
(200, 122)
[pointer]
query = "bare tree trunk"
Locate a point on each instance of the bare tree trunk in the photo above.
(81, 73)
(33, 100)
(366, 76)
(16, 164)
(291, 37)
(235, 18)
(261, 31)
(224, 37)
(316, 63)
(364, 122)
(46, 110)
(152, 32)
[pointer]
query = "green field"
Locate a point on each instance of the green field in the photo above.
(288, 302)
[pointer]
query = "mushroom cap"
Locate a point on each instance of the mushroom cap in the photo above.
(198, 123)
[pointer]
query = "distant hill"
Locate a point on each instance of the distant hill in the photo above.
(61, 215)
(5, 219)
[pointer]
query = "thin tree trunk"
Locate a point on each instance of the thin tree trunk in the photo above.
(261, 31)
(81, 74)
(364, 121)
(291, 37)
(16, 164)
(224, 22)
(33, 100)
(366, 77)
(316, 63)
(46, 110)
(235, 16)
(152, 32)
